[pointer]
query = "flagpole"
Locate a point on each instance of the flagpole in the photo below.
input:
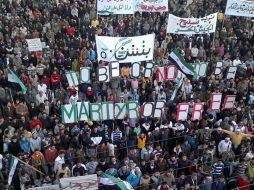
(11, 95)
(28, 165)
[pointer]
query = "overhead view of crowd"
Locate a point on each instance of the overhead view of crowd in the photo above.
(214, 152)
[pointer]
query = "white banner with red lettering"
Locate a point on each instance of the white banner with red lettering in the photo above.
(182, 111)
(197, 111)
(229, 102)
(215, 101)
(151, 5)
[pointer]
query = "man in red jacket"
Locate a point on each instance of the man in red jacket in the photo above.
(55, 79)
(35, 122)
(50, 155)
(243, 183)
(70, 31)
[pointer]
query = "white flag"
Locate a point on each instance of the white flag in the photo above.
(14, 162)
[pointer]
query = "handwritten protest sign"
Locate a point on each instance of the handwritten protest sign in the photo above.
(229, 102)
(71, 113)
(107, 7)
(151, 5)
(88, 182)
(34, 44)
(240, 8)
(202, 25)
(200, 70)
(182, 111)
(215, 101)
(125, 49)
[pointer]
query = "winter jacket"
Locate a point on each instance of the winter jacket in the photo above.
(34, 123)
(250, 170)
(243, 184)
(14, 148)
(25, 145)
(134, 179)
(35, 144)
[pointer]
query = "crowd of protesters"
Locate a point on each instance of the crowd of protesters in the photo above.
(214, 153)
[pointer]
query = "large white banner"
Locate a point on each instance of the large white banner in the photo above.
(51, 187)
(202, 25)
(125, 49)
(240, 8)
(34, 44)
(88, 182)
(151, 5)
(107, 7)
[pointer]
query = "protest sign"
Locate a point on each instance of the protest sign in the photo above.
(34, 44)
(151, 5)
(200, 70)
(231, 72)
(85, 75)
(87, 182)
(125, 49)
(96, 140)
(197, 111)
(135, 70)
(229, 102)
(182, 111)
(215, 101)
(218, 68)
(107, 7)
(120, 110)
(114, 69)
(202, 25)
(72, 78)
(69, 113)
(166, 73)
(50, 187)
(153, 109)
(240, 8)
(81, 111)
(107, 110)
(103, 74)
(148, 71)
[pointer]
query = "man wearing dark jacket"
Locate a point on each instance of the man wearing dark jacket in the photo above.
(14, 147)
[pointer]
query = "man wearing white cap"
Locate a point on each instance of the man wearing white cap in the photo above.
(224, 146)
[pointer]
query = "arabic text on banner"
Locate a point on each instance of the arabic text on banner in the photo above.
(88, 182)
(51, 187)
(203, 25)
(34, 44)
(125, 49)
(107, 7)
(240, 8)
(151, 5)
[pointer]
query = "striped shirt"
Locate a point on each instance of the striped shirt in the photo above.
(116, 137)
(218, 168)
(241, 168)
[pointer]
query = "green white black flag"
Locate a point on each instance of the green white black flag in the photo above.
(12, 77)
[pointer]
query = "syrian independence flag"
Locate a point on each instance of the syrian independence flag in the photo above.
(181, 64)
(178, 84)
(12, 77)
(72, 78)
(14, 162)
(109, 182)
